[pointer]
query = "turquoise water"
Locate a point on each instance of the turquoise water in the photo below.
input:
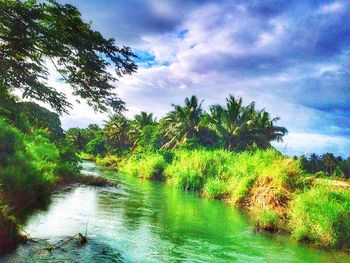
(142, 221)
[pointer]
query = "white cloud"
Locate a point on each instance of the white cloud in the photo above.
(307, 143)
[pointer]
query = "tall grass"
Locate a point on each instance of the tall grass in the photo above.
(322, 215)
(151, 167)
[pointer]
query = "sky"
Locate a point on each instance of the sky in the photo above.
(291, 57)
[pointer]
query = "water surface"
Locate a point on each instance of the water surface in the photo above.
(143, 221)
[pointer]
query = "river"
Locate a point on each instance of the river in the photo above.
(143, 221)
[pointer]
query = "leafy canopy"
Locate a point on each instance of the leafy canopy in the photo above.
(33, 33)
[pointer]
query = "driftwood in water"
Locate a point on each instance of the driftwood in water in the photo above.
(82, 239)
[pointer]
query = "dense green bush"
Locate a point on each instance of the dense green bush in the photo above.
(322, 215)
(30, 164)
(18, 167)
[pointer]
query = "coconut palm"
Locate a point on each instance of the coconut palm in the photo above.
(117, 132)
(231, 123)
(264, 131)
(241, 126)
(143, 119)
(138, 128)
(182, 123)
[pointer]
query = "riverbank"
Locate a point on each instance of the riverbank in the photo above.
(11, 233)
(277, 194)
(32, 166)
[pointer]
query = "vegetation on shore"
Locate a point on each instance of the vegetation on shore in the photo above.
(226, 154)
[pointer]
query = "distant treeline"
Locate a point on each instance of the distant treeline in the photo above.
(325, 165)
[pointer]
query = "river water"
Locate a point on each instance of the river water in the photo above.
(143, 221)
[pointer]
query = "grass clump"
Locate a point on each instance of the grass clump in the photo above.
(266, 219)
(148, 167)
(322, 215)
(215, 189)
(269, 185)
(190, 170)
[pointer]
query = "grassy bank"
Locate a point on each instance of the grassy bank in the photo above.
(31, 166)
(272, 188)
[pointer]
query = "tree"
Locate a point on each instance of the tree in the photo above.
(143, 127)
(77, 138)
(97, 145)
(239, 127)
(143, 119)
(182, 123)
(315, 163)
(264, 131)
(33, 33)
(117, 133)
(329, 163)
(36, 117)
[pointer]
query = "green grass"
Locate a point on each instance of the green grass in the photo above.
(266, 219)
(151, 167)
(322, 215)
(9, 233)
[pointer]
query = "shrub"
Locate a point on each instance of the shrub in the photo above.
(17, 169)
(322, 215)
(9, 233)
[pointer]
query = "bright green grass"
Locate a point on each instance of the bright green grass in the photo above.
(322, 216)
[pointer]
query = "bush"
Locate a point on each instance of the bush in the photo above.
(9, 233)
(322, 215)
(96, 146)
(18, 171)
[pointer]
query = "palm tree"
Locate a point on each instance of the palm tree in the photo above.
(329, 163)
(117, 132)
(230, 123)
(182, 123)
(314, 160)
(264, 131)
(138, 126)
(242, 126)
(143, 119)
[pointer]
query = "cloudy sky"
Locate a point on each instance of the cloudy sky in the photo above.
(290, 57)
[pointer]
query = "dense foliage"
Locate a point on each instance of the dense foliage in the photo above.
(34, 33)
(30, 166)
